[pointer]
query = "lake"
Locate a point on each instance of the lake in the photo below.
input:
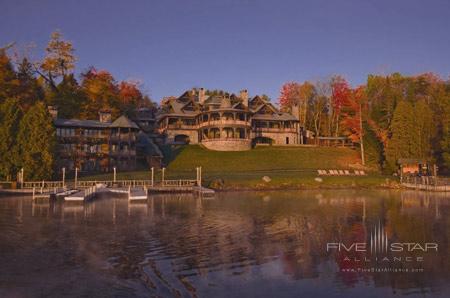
(336, 243)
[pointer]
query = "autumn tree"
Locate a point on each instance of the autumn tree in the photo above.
(59, 59)
(352, 116)
(297, 96)
(10, 116)
(36, 140)
(101, 92)
(130, 97)
(288, 94)
(340, 92)
(8, 77)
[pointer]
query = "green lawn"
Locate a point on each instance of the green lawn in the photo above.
(288, 167)
(260, 159)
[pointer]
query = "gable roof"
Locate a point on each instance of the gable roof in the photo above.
(123, 121)
(81, 123)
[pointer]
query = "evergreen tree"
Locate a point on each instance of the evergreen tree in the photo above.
(29, 89)
(400, 143)
(423, 132)
(37, 141)
(10, 116)
(69, 98)
(445, 140)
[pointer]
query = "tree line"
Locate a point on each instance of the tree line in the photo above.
(27, 88)
(390, 117)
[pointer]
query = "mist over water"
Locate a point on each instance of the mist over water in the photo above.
(259, 244)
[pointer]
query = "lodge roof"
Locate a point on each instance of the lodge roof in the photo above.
(81, 123)
(280, 116)
(178, 106)
(404, 161)
(122, 121)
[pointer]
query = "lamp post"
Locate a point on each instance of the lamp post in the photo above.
(21, 178)
(114, 169)
(162, 175)
(63, 177)
(76, 177)
(153, 175)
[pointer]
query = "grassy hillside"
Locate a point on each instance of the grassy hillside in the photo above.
(287, 167)
(260, 159)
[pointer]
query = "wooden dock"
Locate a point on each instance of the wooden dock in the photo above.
(82, 190)
(203, 191)
(427, 183)
(82, 195)
(137, 193)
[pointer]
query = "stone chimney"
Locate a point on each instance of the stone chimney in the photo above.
(244, 97)
(295, 111)
(53, 110)
(104, 116)
(202, 95)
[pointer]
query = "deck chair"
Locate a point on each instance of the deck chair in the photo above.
(346, 172)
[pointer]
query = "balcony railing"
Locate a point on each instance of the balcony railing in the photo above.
(225, 139)
(274, 129)
(123, 138)
(182, 126)
(123, 152)
(223, 122)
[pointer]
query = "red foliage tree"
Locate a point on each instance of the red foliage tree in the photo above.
(353, 106)
(288, 94)
(340, 92)
(129, 93)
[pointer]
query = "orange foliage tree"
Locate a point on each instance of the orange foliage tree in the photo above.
(353, 107)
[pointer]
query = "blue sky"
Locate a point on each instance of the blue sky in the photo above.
(171, 46)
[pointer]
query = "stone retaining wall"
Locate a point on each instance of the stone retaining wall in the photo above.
(279, 137)
(192, 134)
(227, 144)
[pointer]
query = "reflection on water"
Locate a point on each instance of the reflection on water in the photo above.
(236, 244)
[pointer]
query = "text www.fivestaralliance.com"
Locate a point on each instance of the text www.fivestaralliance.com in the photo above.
(384, 269)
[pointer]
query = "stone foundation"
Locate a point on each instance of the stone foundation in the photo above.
(279, 138)
(172, 133)
(227, 144)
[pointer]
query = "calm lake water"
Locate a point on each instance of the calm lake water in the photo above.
(247, 244)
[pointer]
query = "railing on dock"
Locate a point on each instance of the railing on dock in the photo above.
(54, 187)
(179, 183)
(426, 183)
(43, 184)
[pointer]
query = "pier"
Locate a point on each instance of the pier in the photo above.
(83, 190)
(137, 193)
(427, 183)
(83, 195)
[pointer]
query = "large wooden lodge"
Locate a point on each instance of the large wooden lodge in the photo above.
(226, 123)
